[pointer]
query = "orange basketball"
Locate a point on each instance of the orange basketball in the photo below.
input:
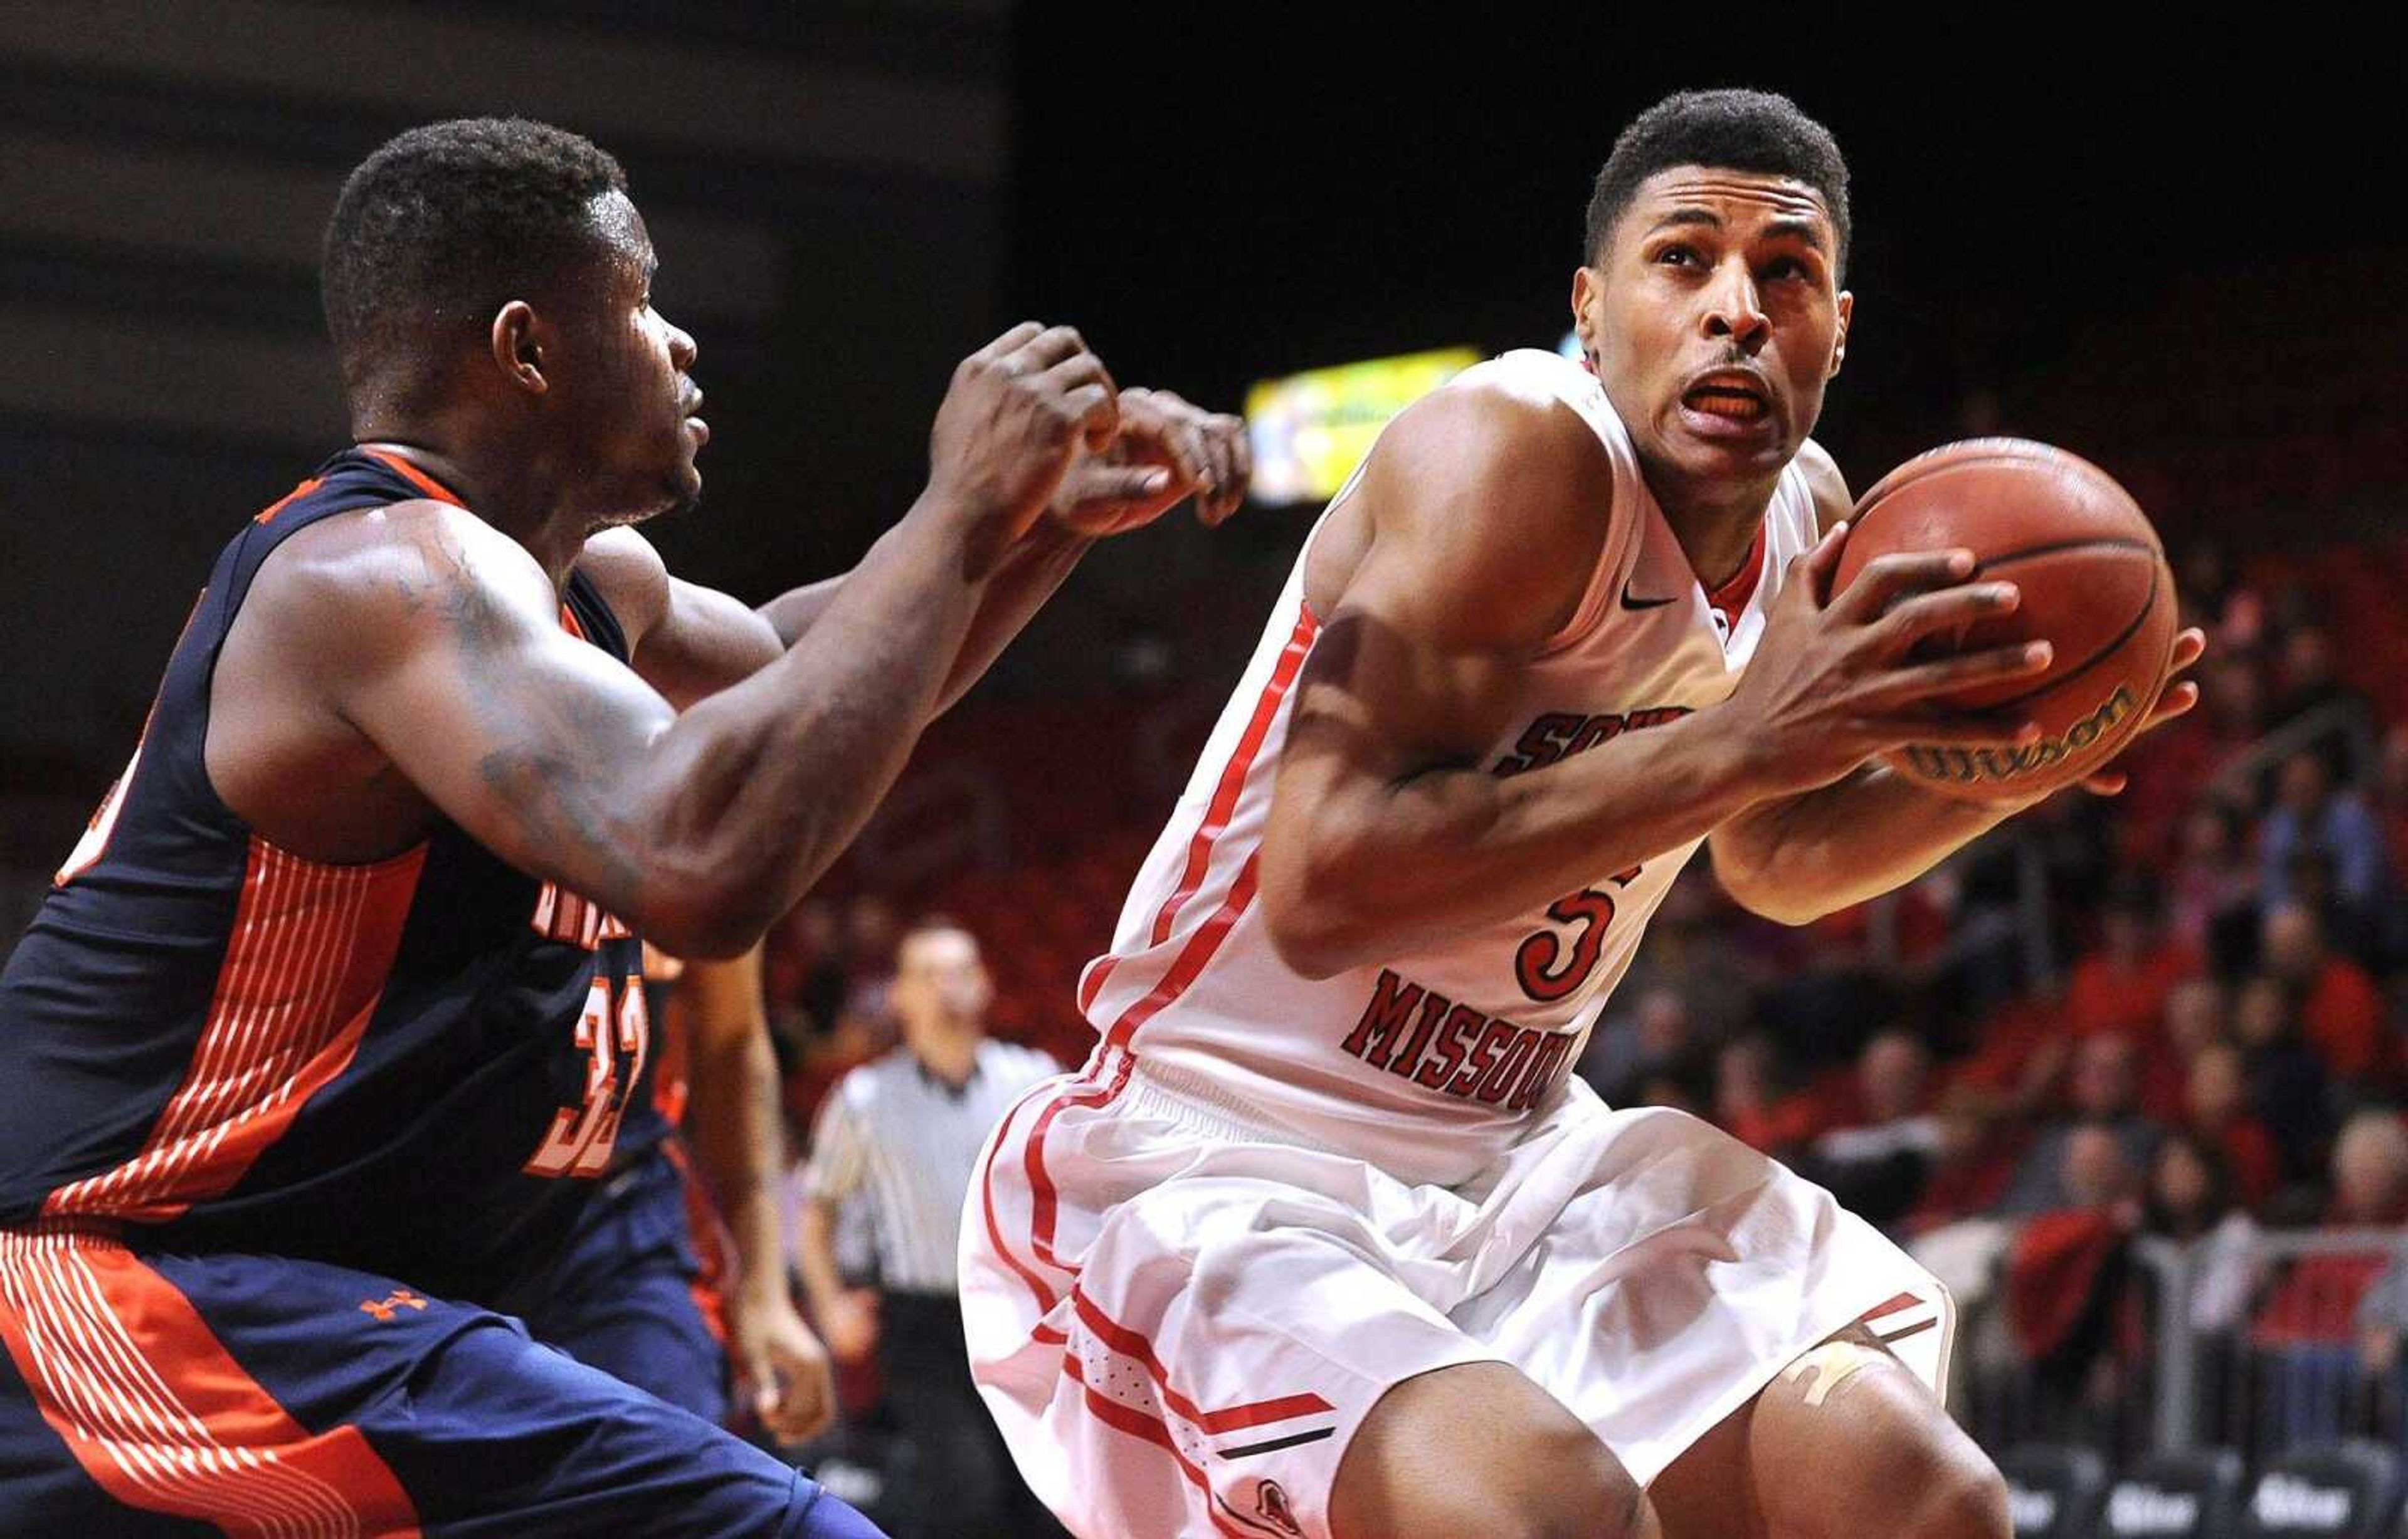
(2094, 583)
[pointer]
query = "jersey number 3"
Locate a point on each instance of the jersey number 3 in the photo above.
(1539, 964)
(579, 1141)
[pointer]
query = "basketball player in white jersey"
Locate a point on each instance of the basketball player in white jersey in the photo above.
(1325, 1239)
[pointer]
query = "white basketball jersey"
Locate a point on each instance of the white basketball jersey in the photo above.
(1426, 1063)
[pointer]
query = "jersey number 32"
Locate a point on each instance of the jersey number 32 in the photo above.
(579, 1141)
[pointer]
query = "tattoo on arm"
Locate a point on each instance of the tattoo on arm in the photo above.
(550, 793)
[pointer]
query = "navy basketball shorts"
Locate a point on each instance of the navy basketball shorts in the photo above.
(145, 1393)
(628, 1294)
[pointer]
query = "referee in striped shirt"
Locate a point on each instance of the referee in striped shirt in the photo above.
(901, 1136)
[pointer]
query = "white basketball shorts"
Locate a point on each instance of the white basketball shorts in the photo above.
(1179, 1318)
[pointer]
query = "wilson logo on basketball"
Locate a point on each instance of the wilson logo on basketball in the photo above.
(1970, 766)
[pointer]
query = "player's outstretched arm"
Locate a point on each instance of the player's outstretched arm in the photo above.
(1484, 516)
(692, 641)
(1797, 858)
(440, 642)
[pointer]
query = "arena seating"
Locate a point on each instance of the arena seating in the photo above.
(2345, 1491)
(2188, 1495)
(2053, 1491)
(2349, 1491)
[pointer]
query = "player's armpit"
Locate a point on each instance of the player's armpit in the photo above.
(688, 641)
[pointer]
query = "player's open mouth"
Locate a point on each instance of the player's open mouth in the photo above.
(1727, 396)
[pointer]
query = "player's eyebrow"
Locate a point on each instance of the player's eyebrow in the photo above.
(1687, 216)
(1806, 230)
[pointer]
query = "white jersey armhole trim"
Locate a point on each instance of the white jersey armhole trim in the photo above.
(1594, 601)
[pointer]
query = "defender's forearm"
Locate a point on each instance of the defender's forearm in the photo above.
(1028, 576)
(747, 797)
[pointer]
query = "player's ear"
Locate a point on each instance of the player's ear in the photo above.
(515, 349)
(1839, 338)
(1587, 288)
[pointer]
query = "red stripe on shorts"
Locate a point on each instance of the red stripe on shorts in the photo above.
(1130, 1419)
(1131, 1343)
(1045, 1296)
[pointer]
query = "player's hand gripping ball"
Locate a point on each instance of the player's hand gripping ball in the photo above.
(2094, 583)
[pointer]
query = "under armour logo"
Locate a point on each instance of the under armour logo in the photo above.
(400, 1297)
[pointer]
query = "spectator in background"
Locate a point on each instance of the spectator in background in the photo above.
(2355, 930)
(2232, 701)
(902, 1134)
(2197, 1012)
(2064, 1281)
(1656, 1041)
(2099, 1168)
(2310, 814)
(2390, 808)
(2194, 1017)
(1879, 1167)
(2314, 1324)
(2310, 685)
(2391, 796)
(2191, 1200)
(2103, 1088)
(1748, 1101)
(2211, 891)
(2287, 1083)
(870, 963)
(2217, 1116)
(2382, 1317)
(2369, 1166)
(2121, 986)
(803, 970)
(2233, 613)
(1689, 951)
(2318, 1301)
(2339, 1009)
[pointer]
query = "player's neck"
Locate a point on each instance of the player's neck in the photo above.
(498, 488)
(946, 1050)
(1716, 530)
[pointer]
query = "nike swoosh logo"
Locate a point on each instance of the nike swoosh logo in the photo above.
(1629, 603)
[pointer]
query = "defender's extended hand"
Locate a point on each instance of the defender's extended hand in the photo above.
(1204, 453)
(1013, 422)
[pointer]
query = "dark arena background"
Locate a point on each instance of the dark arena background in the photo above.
(2127, 1073)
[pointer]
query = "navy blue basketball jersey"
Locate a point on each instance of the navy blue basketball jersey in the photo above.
(415, 1067)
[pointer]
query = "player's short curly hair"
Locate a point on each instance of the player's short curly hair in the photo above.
(446, 223)
(1756, 131)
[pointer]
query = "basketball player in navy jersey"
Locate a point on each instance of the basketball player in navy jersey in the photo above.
(332, 1020)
